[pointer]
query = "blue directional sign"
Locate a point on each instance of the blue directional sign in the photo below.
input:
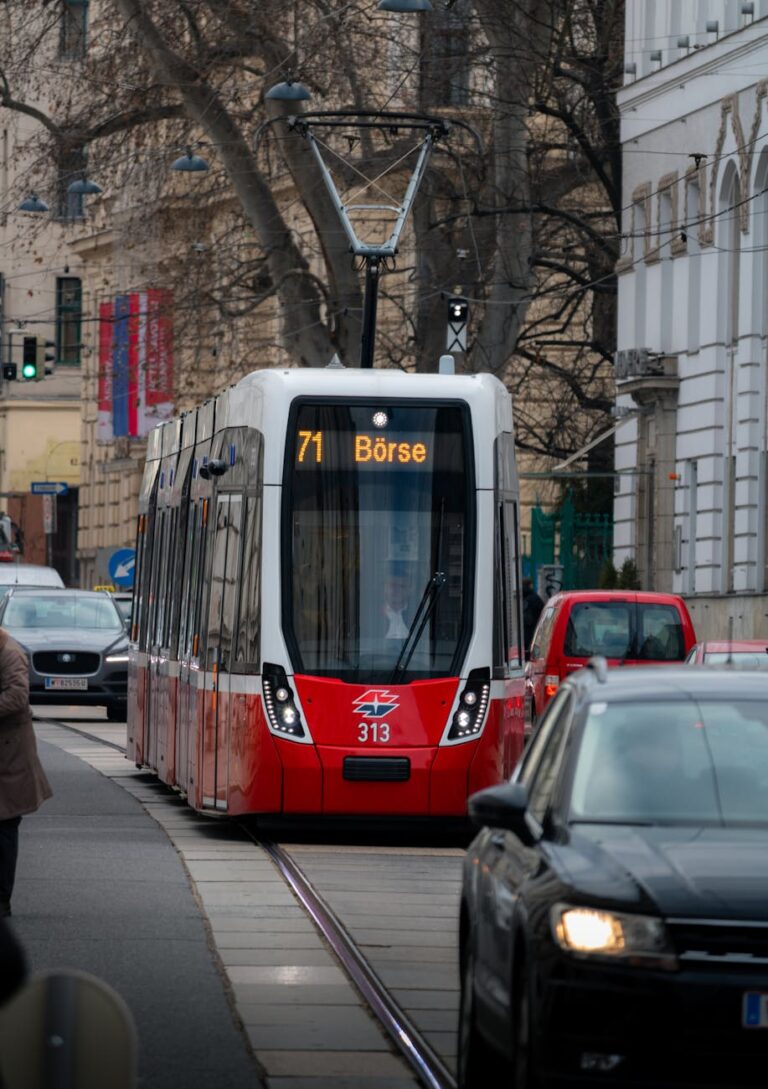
(48, 487)
(122, 566)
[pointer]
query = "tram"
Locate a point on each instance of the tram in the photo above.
(327, 609)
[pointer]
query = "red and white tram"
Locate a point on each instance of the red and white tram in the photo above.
(327, 613)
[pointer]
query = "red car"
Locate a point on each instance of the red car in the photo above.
(741, 653)
(625, 626)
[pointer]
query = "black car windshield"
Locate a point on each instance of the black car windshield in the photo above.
(623, 629)
(675, 761)
(62, 610)
(377, 532)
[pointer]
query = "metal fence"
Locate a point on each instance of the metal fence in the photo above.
(579, 543)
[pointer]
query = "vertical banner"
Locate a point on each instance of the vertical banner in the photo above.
(159, 357)
(120, 377)
(136, 343)
(104, 395)
(134, 328)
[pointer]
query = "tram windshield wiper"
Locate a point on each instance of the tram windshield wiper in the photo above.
(419, 623)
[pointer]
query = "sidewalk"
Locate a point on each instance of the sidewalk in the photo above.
(100, 888)
(302, 1017)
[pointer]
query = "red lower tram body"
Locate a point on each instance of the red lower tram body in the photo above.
(216, 745)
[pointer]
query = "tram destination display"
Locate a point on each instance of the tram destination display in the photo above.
(362, 438)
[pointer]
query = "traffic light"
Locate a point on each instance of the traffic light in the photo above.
(35, 358)
(458, 316)
(458, 310)
(46, 356)
(10, 372)
(29, 359)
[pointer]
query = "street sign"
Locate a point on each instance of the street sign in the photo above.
(48, 487)
(122, 566)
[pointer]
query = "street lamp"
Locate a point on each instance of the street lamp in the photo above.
(289, 91)
(404, 7)
(33, 204)
(84, 187)
(189, 163)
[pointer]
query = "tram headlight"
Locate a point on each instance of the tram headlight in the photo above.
(279, 703)
(469, 716)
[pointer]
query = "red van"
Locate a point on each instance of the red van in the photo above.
(625, 626)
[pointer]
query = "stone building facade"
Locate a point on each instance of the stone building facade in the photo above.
(692, 437)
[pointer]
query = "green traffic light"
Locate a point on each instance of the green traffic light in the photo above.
(29, 371)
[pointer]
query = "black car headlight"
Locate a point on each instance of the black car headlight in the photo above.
(280, 703)
(614, 935)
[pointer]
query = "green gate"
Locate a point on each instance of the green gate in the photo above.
(579, 543)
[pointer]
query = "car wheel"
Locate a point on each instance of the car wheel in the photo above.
(117, 712)
(477, 1061)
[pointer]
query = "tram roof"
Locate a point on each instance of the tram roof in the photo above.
(265, 396)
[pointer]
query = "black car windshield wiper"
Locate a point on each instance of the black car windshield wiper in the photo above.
(419, 623)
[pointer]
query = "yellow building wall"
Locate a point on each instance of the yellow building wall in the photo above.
(39, 442)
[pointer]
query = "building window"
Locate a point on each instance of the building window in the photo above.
(69, 316)
(446, 57)
(70, 206)
(74, 28)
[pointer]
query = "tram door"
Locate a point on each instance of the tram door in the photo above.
(222, 620)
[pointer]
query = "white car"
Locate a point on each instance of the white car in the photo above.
(29, 574)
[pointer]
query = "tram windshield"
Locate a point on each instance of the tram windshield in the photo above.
(379, 519)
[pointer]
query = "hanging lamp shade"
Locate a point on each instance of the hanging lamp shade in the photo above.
(189, 163)
(289, 91)
(404, 7)
(83, 187)
(33, 204)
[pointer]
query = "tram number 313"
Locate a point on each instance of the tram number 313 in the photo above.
(377, 732)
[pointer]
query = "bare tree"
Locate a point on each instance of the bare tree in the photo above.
(528, 228)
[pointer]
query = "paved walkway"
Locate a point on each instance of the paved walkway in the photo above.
(300, 1015)
(100, 888)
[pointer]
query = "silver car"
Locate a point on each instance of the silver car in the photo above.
(77, 646)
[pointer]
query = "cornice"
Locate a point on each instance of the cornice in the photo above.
(702, 62)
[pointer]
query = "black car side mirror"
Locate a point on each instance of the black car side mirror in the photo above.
(506, 807)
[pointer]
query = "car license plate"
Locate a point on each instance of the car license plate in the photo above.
(69, 684)
(754, 1010)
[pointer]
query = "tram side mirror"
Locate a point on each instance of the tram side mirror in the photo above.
(204, 472)
(217, 467)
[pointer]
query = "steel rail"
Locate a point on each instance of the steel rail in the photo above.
(427, 1065)
(425, 1062)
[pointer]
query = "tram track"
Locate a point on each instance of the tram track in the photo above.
(409, 1041)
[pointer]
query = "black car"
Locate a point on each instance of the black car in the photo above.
(77, 647)
(614, 916)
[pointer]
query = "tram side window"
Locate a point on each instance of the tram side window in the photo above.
(512, 587)
(500, 641)
(232, 574)
(188, 584)
(154, 583)
(138, 578)
(199, 599)
(161, 582)
(179, 572)
(218, 572)
(168, 575)
(247, 651)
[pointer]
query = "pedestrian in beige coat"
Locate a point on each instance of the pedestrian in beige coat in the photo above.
(23, 784)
